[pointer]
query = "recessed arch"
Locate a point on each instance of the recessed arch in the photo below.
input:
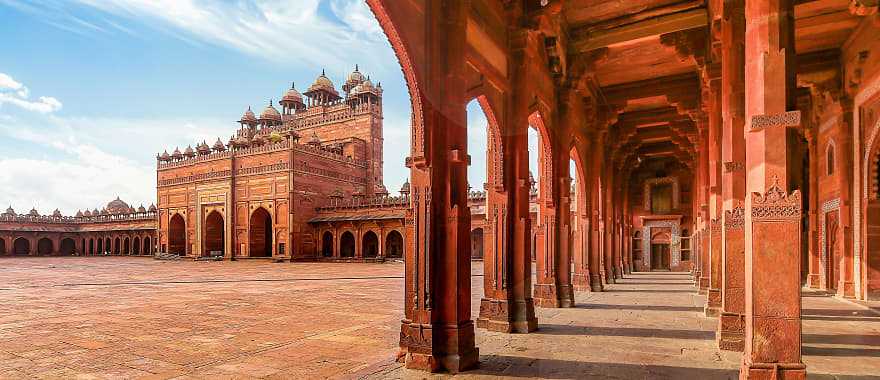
(107, 246)
(830, 155)
(21, 247)
(260, 233)
(148, 246)
(394, 244)
(100, 246)
(370, 244)
(126, 246)
(215, 234)
(136, 246)
(68, 247)
(177, 235)
(2, 246)
(346, 244)
(45, 246)
(327, 244)
(477, 243)
(117, 245)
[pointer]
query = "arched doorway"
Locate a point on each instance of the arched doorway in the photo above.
(107, 246)
(370, 244)
(346, 244)
(215, 236)
(126, 246)
(136, 246)
(394, 245)
(260, 233)
(660, 250)
(68, 246)
(44, 247)
(327, 244)
(177, 235)
(2, 246)
(100, 246)
(21, 247)
(148, 246)
(91, 246)
(117, 246)
(477, 243)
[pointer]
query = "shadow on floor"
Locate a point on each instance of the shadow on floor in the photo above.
(549, 329)
(840, 351)
(839, 318)
(650, 290)
(514, 366)
(658, 282)
(638, 307)
(859, 340)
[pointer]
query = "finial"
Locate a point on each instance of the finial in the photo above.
(270, 102)
(356, 68)
(292, 85)
(323, 73)
(249, 108)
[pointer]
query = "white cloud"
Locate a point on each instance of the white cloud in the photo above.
(15, 93)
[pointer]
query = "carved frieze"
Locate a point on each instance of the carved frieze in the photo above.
(734, 166)
(787, 119)
(735, 219)
(776, 204)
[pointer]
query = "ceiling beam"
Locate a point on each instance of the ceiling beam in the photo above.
(591, 40)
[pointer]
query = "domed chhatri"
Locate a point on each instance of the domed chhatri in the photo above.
(248, 117)
(354, 79)
(322, 91)
(9, 211)
(270, 116)
(34, 212)
(118, 206)
(56, 213)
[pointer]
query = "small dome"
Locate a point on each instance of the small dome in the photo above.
(203, 148)
(56, 213)
(292, 95)
(381, 190)
(248, 117)
(176, 154)
(270, 114)
(218, 146)
(96, 212)
(34, 212)
(117, 206)
(405, 188)
(322, 83)
(189, 152)
(354, 79)
(79, 213)
(165, 156)
(87, 213)
(9, 211)
(141, 208)
(152, 208)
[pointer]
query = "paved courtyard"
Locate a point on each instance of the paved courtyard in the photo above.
(117, 317)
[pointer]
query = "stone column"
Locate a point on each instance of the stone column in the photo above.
(705, 221)
(814, 276)
(507, 304)
(608, 225)
(731, 322)
(713, 301)
(437, 332)
(547, 235)
(595, 255)
(581, 279)
(772, 214)
(568, 119)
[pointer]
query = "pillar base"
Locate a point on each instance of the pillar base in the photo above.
(596, 284)
(846, 289)
(713, 303)
(581, 282)
(704, 285)
(418, 351)
(618, 273)
(813, 281)
(773, 371)
(731, 331)
(546, 296)
(495, 315)
(566, 296)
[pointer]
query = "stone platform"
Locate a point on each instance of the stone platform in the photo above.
(122, 317)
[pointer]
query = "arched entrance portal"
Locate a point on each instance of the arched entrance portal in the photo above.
(261, 233)
(44, 246)
(68, 246)
(660, 251)
(327, 244)
(477, 243)
(394, 245)
(346, 244)
(21, 247)
(370, 244)
(215, 236)
(177, 235)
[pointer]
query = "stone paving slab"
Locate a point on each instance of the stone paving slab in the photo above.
(124, 317)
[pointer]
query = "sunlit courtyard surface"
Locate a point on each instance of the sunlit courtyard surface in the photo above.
(118, 317)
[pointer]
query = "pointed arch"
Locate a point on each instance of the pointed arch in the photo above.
(260, 233)
(177, 235)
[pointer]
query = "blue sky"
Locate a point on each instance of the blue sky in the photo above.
(91, 90)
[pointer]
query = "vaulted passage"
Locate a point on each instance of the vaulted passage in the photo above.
(177, 235)
(215, 235)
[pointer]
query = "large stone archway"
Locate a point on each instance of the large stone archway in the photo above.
(347, 244)
(214, 242)
(177, 235)
(394, 245)
(45, 247)
(327, 244)
(68, 247)
(370, 244)
(260, 233)
(21, 247)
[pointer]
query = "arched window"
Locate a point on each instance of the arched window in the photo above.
(829, 159)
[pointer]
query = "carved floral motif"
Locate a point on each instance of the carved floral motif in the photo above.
(776, 204)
